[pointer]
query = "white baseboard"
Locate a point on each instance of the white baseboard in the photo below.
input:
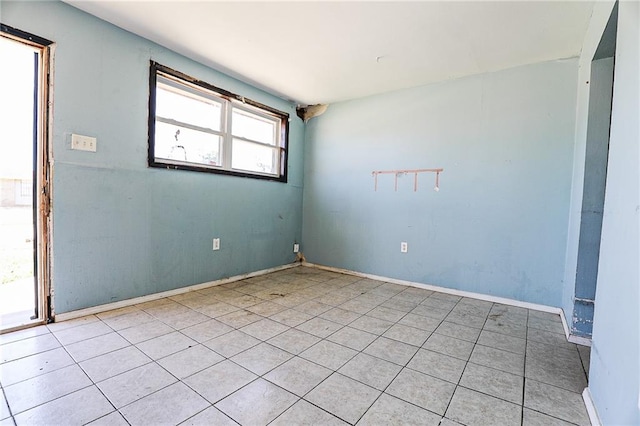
(488, 298)
(136, 300)
(591, 408)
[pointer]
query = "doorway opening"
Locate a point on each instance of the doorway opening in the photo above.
(24, 179)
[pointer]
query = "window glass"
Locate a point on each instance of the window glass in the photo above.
(254, 157)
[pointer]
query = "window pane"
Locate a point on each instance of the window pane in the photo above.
(187, 108)
(182, 144)
(254, 127)
(253, 157)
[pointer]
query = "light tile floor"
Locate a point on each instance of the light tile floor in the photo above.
(297, 347)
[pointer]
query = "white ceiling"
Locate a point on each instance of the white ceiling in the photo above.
(323, 52)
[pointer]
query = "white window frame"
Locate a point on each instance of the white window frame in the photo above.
(183, 84)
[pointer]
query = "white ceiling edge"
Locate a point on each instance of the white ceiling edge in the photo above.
(324, 52)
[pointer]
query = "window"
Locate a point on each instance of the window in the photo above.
(196, 126)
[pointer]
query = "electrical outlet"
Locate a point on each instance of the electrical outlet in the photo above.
(216, 243)
(404, 247)
(83, 143)
(296, 248)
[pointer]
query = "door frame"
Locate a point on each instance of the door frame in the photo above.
(42, 181)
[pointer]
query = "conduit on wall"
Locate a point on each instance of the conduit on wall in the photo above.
(415, 173)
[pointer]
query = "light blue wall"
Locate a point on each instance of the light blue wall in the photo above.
(614, 378)
(121, 229)
(498, 225)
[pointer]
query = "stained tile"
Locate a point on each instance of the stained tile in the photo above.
(502, 326)
(437, 365)
(391, 350)
(257, 403)
(227, 376)
(304, 414)
(161, 346)
(261, 358)
(294, 341)
(34, 365)
(189, 361)
(422, 390)
(216, 309)
(343, 397)
(232, 343)
(352, 338)
(38, 390)
(319, 327)
(64, 411)
(210, 416)
(498, 359)
(493, 382)
(555, 402)
(135, 384)
(370, 370)
(470, 309)
(449, 346)
(473, 408)
(113, 363)
(328, 354)
(170, 405)
(388, 410)
(206, 330)
(298, 375)
(559, 368)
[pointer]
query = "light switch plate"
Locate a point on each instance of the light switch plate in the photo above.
(84, 143)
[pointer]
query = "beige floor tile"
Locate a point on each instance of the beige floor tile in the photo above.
(352, 338)
(64, 411)
(135, 384)
(113, 363)
(391, 350)
(26, 347)
(437, 365)
(298, 375)
(556, 402)
(209, 416)
(206, 330)
(228, 377)
(304, 414)
(257, 403)
(502, 341)
(477, 409)
(498, 359)
(112, 419)
(319, 327)
(422, 390)
(462, 332)
(146, 331)
(493, 382)
(189, 361)
(406, 334)
(291, 317)
(170, 405)
(370, 370)
(388, 410)
(82, 332)
(294, 341)
(343, 397)
(34, 365)
(231, 343)
(329, 354)
(162, 346)
(261, 358)
(264, 329)
(30, 393)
